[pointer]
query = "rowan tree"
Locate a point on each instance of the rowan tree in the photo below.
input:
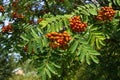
(60, 36)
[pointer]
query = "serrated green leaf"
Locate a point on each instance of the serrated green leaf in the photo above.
(92, 41)
(57, 66)
(65, 22)
(101, 42)
(82, 56)
(40, 45)
(43, 75)
(22, 44)
(34, 34)
(35, 47)
(95, 59)
(30, 47)
(74, 46)
(97, 43)
(85, 12)
(52, 27)
(60, 24)
(51, 68)
(24, 37)
(49, 28)
(79, 51)
(44, 41)
(76, 11)
(57, 29)
(114, 1)
(88, 58)
(43, 24)
(118, 2)
(38, 28)
(93, 52)
(79, 8)
(92, 6)
(48, 73)
(92, 11)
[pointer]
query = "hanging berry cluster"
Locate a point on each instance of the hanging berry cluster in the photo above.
(106, 13)
(15, 5)
(59, 39)
(7, 28)
(76, 25)
(1, 8)
(16, 15)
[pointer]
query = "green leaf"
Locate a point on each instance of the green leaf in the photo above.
(35, 47)
(52, 27)
(57, 66)
(43, 24)
(118, 2)
(97, 44)
(85, 12)
(48, 73)
(30, 47)
(49, 28)
(65, 22)
(114, 1)
(93, 52)
(44, 41)
(40, 44)
(92, 11)
(43, 75)
(24, 37)
(82, 56)
(79, 51)
(57, 29)
(22, 44)
(38, 28)
(50, 67)
(74, 46)
(95, 59)
(88, 58)
(34, 34)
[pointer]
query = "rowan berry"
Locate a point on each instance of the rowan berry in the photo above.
(2, 8)
(106, 13)
(76, 25)
(58, 39)
(7, 28)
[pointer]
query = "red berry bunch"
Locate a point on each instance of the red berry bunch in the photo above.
(76, 25)
(25, 48)
(2, 8)
(16, 15)
(106, 13)
(7, 28)
(15, 3)
(59, 39)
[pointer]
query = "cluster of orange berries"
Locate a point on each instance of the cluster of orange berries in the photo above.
(7, 28)
(1, 8)
(106, 13)
(76, 25)
(15, 3)
(16, 15)
(59, 39)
